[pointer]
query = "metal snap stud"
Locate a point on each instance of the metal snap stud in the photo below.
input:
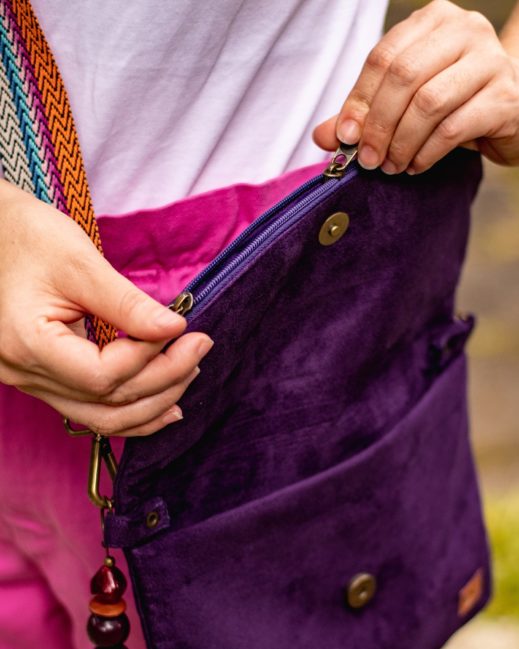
(333, 228)
(152, 519)
(361, 590)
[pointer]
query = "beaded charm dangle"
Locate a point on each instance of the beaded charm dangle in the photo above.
(108, 625)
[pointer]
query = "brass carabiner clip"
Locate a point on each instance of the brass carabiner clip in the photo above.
(101, 451)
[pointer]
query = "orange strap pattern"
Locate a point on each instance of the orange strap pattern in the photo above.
(38, 105)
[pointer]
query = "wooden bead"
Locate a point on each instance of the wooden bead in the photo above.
(108, 584)
(104, 609)
(108, 632)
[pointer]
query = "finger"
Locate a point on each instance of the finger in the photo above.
(169, 417)
(142, 417)
(464, 124)
(324, 134)
(407, 73)
(170, 367)
(432, 103)
(78, 363)
(356, 107)
(163, 371)
(96, 287)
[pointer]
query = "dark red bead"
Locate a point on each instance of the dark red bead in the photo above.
(108, 632)
(108, 584)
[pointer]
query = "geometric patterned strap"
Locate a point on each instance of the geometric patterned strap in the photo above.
(39, 146)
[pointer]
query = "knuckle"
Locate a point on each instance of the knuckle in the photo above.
(507, 71)
(429, 101)
(375, 127)
(510, 89)
(441, 7)
(403, 71)
(13, 351)
(448, 130)
(104, 425)
(10, 354)
(101, 384)
(119, 397)
(24, 382)
(8, 377)
(380, 58)
(131, 300)
(420, 163)
(478, 21)
(445, 6)
(81, 266)
(358, 103)
(398, 153)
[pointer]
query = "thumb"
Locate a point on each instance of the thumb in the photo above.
(99, 289)
(324, 134)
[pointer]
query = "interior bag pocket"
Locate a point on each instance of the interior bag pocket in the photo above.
(386, 550)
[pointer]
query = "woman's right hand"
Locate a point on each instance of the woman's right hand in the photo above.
(51, 275)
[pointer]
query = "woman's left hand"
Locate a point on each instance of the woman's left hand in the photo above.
(437, 80)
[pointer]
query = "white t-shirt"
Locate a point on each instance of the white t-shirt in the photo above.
(176, 97)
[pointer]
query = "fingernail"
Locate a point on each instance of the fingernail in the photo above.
(410, 171)
(349, 132)
(167, 317)
(204, 346)
(368, 157)
(194, 373)
(173, 414)
(389, 168)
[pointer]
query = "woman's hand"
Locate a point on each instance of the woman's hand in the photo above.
(435, 81)
(51, 275)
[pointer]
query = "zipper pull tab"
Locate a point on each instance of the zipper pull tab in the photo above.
(342, 158)
(183, 303)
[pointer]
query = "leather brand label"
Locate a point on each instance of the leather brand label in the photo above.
(471, 593)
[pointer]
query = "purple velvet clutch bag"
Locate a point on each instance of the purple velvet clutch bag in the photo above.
(320, 492)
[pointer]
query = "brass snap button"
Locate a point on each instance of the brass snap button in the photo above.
(361, 590)
(152, 519)
(333, 228)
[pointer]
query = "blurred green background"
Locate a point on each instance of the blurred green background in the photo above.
(490, 288)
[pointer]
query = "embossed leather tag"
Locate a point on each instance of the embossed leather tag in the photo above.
(471, 593)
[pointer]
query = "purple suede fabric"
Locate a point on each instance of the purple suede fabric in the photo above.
(326, 436)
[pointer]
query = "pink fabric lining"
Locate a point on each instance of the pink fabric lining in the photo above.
(162, 249)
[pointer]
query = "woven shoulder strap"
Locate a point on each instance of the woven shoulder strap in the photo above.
(39, 146)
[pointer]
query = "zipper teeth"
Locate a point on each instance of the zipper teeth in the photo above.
(263, 236)
(248, 230)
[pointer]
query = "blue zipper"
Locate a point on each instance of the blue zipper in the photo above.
(251, 239)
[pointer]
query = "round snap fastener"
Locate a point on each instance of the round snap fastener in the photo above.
(333, 228)
(361, 590)
(152, 519)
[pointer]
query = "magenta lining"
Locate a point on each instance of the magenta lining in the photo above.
(162, 249)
